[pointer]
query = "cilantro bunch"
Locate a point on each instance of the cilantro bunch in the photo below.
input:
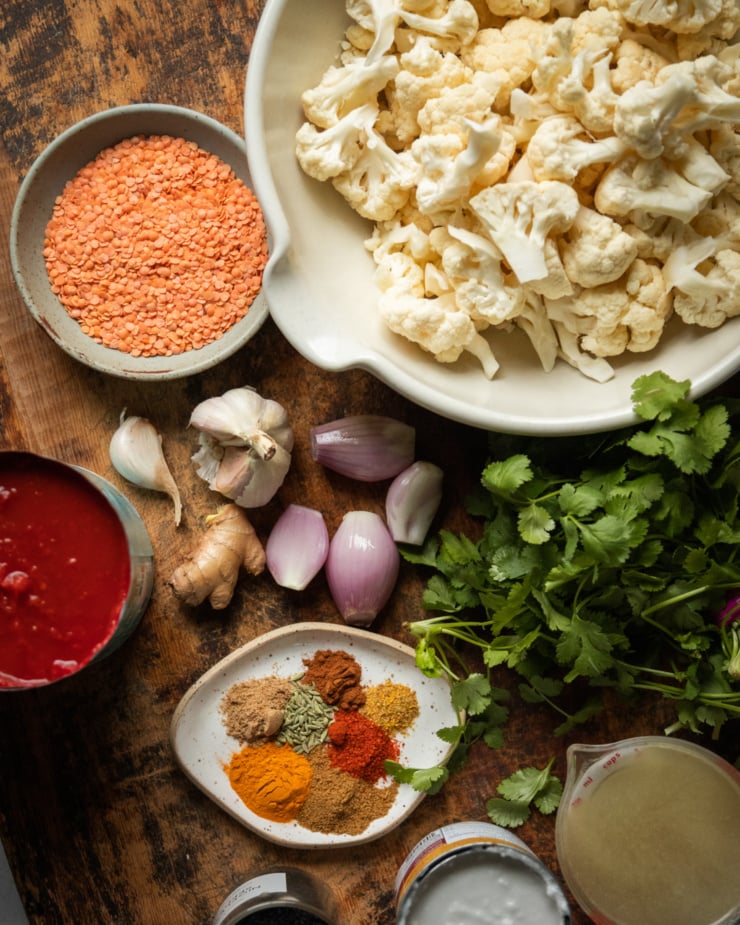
(603, 561)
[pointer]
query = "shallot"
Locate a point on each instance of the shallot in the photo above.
(362, 567)
(297, 547)
(366, 447)
(412, 500)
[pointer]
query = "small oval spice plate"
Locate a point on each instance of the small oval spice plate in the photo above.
(203, 747)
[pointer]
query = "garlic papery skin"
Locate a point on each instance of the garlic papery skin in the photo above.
(136, 454)
(297, 547)
(412, 500)
(242, 417)
(362, 567)
(366, 447)
(245, 445)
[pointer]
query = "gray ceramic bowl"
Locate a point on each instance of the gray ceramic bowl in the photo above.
(61, 161)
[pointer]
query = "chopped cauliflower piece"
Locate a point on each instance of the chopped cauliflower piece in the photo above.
(706, 278)
(473, 265)
(633, 186)
(436, 324)
(596, 250)
(518, 217)
(448, 175)
(560, 148)
(343, 89)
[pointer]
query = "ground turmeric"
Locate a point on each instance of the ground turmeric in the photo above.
(212, 568)
(272, 780)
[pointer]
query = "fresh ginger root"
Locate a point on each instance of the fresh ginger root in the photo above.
(212, 569)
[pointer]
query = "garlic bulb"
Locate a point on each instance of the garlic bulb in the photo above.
(136, 453)
(245, 445)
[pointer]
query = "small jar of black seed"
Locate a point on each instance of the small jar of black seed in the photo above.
(286, 896)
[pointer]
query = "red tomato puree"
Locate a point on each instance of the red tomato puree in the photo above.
(64, 570)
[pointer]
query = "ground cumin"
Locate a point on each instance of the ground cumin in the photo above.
(155, 247)
(339, 803)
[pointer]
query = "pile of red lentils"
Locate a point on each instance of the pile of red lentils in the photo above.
(156, 247)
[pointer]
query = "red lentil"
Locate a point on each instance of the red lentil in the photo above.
(156, 247)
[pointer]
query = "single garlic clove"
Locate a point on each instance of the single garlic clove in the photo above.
(136, 454)
(362, 567)
(297, 547)
(412, 500)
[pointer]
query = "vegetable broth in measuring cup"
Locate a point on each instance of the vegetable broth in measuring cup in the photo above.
(649, 834)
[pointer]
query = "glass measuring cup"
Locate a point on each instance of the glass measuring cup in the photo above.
(647, 833)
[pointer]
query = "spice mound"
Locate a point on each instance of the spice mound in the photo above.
(156, 247)
(314, 746)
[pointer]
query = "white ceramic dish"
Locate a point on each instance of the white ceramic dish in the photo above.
(320, 289)
(202, 745)
(61, 161)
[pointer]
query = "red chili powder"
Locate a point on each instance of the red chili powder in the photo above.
(359, 746)
(64, 570)
(156, 247)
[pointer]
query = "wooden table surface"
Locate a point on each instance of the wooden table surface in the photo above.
(99, 823)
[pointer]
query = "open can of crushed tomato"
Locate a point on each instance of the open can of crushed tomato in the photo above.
(76, 569)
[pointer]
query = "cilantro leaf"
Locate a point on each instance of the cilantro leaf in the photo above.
(518, 792)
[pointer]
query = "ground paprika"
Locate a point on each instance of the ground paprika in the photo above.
(359, 746)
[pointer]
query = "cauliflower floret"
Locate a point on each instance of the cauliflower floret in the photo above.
(707, 280)
(375, 180)
(712, 38)
(635, 62)
(687, 97)
(425, 74)
(560, 148)
(345, 88)
(455, 27)
(447, 112)
(632, 187)
(379, 182)
(504, 58)
(676, 15)
(532, 9)
(518, 217)
(472, 264)
(596, 30)
(596, 250)
(644, 115)
(450, 164)
(579, 84)
(717, 95)
(626, 314)
(326, 154)
(380, 18)
(408, 237)
(436, 324)
(721, 220)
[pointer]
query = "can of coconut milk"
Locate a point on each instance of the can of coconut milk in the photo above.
(469, 870)
(286, 896)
